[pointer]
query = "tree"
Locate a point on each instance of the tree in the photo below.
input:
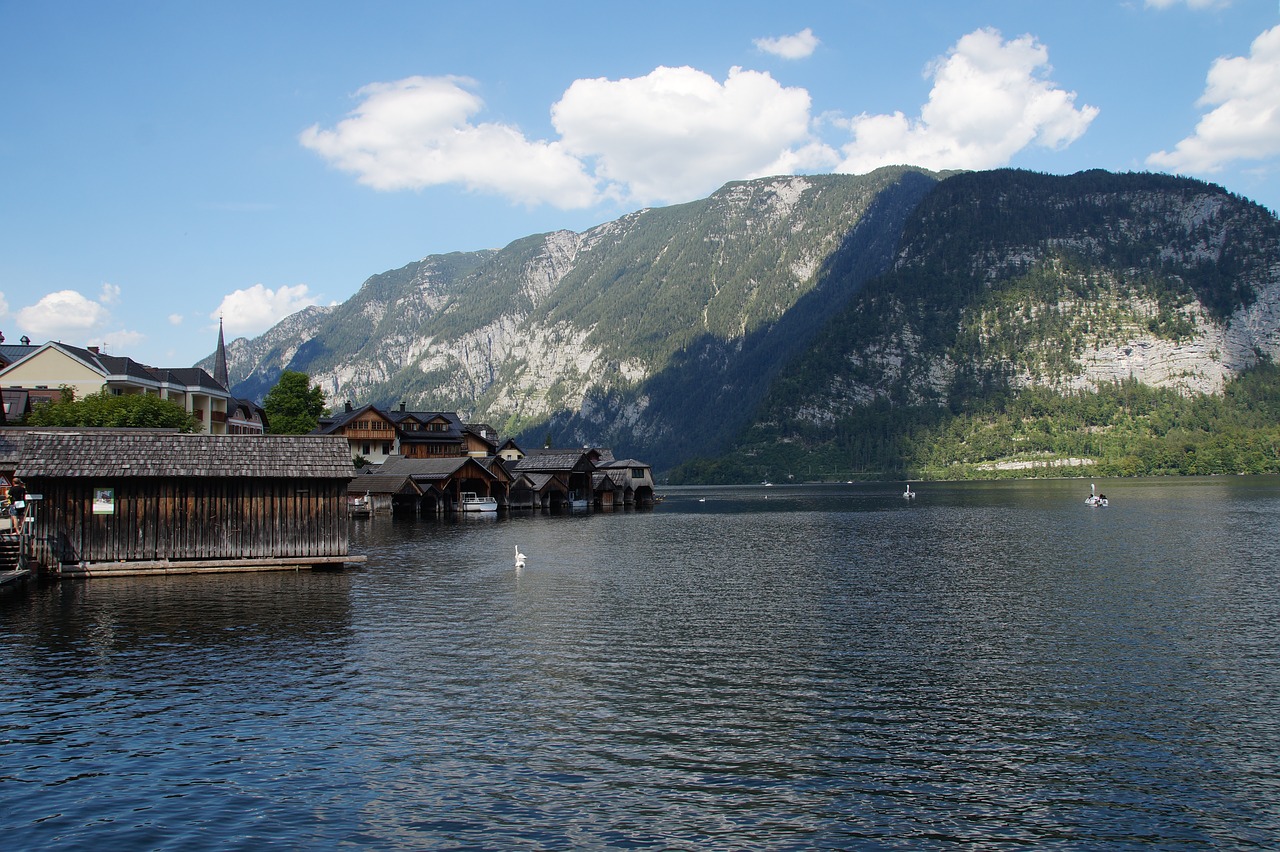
(104, 409)
(293, 406)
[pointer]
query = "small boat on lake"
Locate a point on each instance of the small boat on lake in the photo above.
(472, 502)
(361, 507)
(1094, 498)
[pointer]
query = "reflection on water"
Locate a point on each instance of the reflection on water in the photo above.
(785, 667)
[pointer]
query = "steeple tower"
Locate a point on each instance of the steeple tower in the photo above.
(220, 360)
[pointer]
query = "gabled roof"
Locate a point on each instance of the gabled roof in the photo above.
(430, 469)
(617, 476)
(104, 454)
(11, 352)
(120, 369)
(544, 481)
(621, 463)
(378, 483)
(329, 425)
(554, 460)
(453, 434)
(484, 432)
(190, 377)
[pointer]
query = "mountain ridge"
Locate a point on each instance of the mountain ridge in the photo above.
(669, 331)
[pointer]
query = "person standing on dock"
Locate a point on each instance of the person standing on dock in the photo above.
(18, 504)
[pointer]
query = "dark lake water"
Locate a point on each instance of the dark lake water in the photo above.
(771, 668)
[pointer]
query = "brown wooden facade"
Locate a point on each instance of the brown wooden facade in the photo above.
(137, 501)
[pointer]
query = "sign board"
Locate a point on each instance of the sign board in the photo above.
(104, 501)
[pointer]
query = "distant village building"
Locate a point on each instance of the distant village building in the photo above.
(37, 374)
(429, 462)
(376, 435)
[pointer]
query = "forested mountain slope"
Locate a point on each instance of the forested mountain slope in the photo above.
(1038, 323)
(784, 320)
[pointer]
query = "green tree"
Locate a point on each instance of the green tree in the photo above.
(294, 405)
(104, 409)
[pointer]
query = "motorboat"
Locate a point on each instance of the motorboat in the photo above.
(472, 502)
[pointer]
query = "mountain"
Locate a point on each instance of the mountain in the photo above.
(781, 308)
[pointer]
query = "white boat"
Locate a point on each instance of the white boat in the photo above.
(472, 502)
(1094, 498)
(361, 507)
(576, 503)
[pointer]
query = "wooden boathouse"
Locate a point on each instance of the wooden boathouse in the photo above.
(122, 501)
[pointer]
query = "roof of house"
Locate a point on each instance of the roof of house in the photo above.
(377, 483)
(541, 482)
(621, 463)
(620, 477)
(428, 469)
(109, 366)
(550, 459)
(10, 352)
(114, 453)
(329, 425)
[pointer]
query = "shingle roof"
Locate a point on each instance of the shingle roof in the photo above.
(560, 460)
(377, 483)
(147, 452)
(424, 469)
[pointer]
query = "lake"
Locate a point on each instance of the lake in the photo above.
(792, 667)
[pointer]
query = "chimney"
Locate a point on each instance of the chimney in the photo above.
(94, 350)
(402, 405)
(349, 408)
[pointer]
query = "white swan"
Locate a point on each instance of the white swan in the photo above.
(519, 558)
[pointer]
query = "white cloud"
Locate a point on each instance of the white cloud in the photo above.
(1193, 4)
(1245, 121)
(175, 319)
(417, 132)
(122, 341)
(798, 46)
(110, 294)
(64, 313)
(4, 306)
(676, 133)
(989, 101)
(256, 309)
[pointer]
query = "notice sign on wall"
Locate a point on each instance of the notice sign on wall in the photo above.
(104, 501)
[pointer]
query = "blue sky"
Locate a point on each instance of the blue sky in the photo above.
(166, 163)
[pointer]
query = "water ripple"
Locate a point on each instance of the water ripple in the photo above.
(831, 669)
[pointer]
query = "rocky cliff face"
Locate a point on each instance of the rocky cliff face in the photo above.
(1033, 281)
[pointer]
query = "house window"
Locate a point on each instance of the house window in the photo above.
(386, 448)
(637, 473)
(364, 449)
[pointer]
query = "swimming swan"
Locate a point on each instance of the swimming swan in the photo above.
(519, 557)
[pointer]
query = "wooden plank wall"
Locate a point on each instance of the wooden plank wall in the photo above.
(177, 519)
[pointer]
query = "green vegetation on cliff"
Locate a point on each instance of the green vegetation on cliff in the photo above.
(1123, 429)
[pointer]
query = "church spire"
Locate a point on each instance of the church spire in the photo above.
(220, 360)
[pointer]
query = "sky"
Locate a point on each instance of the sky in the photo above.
(169, 164)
